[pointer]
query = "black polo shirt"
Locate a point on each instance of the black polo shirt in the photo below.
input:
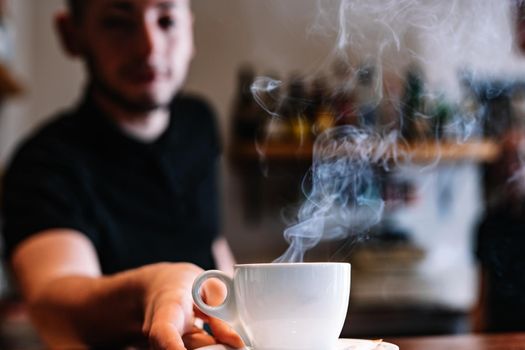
(138, 202)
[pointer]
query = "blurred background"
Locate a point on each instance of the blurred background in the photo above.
(448, 85)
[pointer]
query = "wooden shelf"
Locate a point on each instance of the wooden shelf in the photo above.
(419, 152)
(274, 151)
(480, 151)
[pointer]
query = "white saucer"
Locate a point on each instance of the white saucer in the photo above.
(362, 344)
(342, 344)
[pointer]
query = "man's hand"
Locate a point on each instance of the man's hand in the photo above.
(169, 320)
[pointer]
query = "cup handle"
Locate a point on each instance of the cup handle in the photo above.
(227, 311)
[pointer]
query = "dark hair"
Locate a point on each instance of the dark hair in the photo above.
(76, 7)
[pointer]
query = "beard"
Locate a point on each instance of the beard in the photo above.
(134, 105)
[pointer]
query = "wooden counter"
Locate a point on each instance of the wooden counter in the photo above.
(513, 341)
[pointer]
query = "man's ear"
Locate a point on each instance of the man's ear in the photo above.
(67, 31)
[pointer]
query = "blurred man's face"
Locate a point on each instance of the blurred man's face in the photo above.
(137, 51)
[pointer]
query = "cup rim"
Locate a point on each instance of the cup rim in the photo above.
(273, 265)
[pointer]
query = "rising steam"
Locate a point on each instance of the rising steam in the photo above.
(344, 198)
(453, 42)
(441, 36)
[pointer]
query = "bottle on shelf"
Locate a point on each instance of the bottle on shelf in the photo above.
(441, 112)
(272, 108)
(475, 109)
(294, 111)
(343, 99)
(416, 124)
(321, 112)
(245, 116)
(367, 95)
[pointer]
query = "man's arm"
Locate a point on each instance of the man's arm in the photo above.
(73, 305)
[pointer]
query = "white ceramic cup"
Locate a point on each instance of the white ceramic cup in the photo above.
(289, 306)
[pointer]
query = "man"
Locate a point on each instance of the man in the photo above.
(500, 241)
(499, 237)
(110, 207)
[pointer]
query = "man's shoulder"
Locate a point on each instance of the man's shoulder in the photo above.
(52, 135)
(58, 125)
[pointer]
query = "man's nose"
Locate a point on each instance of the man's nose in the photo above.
(147, 41)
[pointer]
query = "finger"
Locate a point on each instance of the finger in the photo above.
(199, 314)
(168, 323)
(224, 333)
(165, 336)
(216, 325)
(214, 292)
(197, 338)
